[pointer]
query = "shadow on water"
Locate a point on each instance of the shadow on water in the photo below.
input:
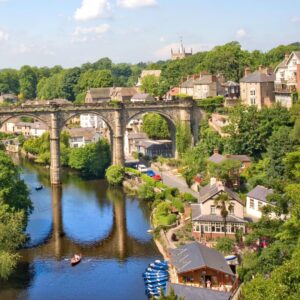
(88, 217)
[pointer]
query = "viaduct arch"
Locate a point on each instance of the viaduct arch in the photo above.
(115, 115)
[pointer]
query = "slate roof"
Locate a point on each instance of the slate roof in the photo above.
(196, 210)
(196, 256)
(142, 96)
(195, 293)
(260, 193)
(297, 53)
(217, 158)
(189, 83)
(205, 79)
(258, 77)
(211, 190)
(217, 218)
(137, 135)
(122, 91)
(155, 144)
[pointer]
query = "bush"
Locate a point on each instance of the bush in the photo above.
(115, 175)
(225, 245)
(146, 192)
(176, 202)
(167, 220)
(187, 197)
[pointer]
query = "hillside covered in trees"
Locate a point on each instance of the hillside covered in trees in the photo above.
(50, 83)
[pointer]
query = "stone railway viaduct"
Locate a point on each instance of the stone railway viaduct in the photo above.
(115, 115)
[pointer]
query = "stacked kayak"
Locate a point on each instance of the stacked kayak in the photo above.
(156, 277)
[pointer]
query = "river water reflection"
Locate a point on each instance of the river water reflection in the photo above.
(106, 226)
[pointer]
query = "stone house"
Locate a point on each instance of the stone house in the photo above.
(130, 141)
(257, 88)
(122, 93)
(171, 94)
(256, 199)
(287, 79)
(79, 137)
(201, 86)
(197, 265)
(207, 220)
(97, 95)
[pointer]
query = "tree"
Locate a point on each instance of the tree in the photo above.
(223, 203)
(183, 138)
(9, 81)
(155, 126)
(225, 245)
(92, 160)
(227, 171)
(13, 190)
(28, 82)
(150, 85)
(278, 145)
(115, 175)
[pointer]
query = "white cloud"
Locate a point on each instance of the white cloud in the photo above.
(295, 19)
(165, 52)
(136, 3)
(241, 33)
(83, 34)
(92, 9)
(3, 35)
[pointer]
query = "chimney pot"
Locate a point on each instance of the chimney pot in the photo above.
(247, 71)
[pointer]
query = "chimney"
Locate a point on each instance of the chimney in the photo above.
(286, 56)
(216, 151)
(261, 68)
(213, 180)
(247, 71)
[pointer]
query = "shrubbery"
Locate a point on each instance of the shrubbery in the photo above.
(115, 175)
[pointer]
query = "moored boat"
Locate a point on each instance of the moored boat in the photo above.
(39, 187)
(76, 259)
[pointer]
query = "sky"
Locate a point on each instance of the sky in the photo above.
(72, 32)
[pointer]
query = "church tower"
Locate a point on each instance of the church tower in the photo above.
(181, 53)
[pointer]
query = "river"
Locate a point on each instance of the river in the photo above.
(107, 226)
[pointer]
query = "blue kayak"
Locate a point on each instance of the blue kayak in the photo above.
(155, 274)
(158, 267)
(158, 284)
(155, 270)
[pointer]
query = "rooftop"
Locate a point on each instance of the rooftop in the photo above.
(195, 293)
(196, 256)
(258, 77)
(260, 193)
(87, 133)
(211, 190)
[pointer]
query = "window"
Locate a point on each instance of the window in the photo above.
(253, 96)
(260, 204)
(252, 203)
(231, 209)
(212, 210)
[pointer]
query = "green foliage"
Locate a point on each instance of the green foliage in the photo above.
(28, 82)
(115, 175)
(9, 81)
(225, 245)
(13, 190)
(183, 138)
(211, 104)
(189, 198)
(155, 126)
(92, 159)
(146, 191)
(278, 145)
(249, 129)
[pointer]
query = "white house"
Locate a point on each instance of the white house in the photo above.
(38, 129)
(92, 121)
(287, 80)
(256, 199)
(79, 137)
